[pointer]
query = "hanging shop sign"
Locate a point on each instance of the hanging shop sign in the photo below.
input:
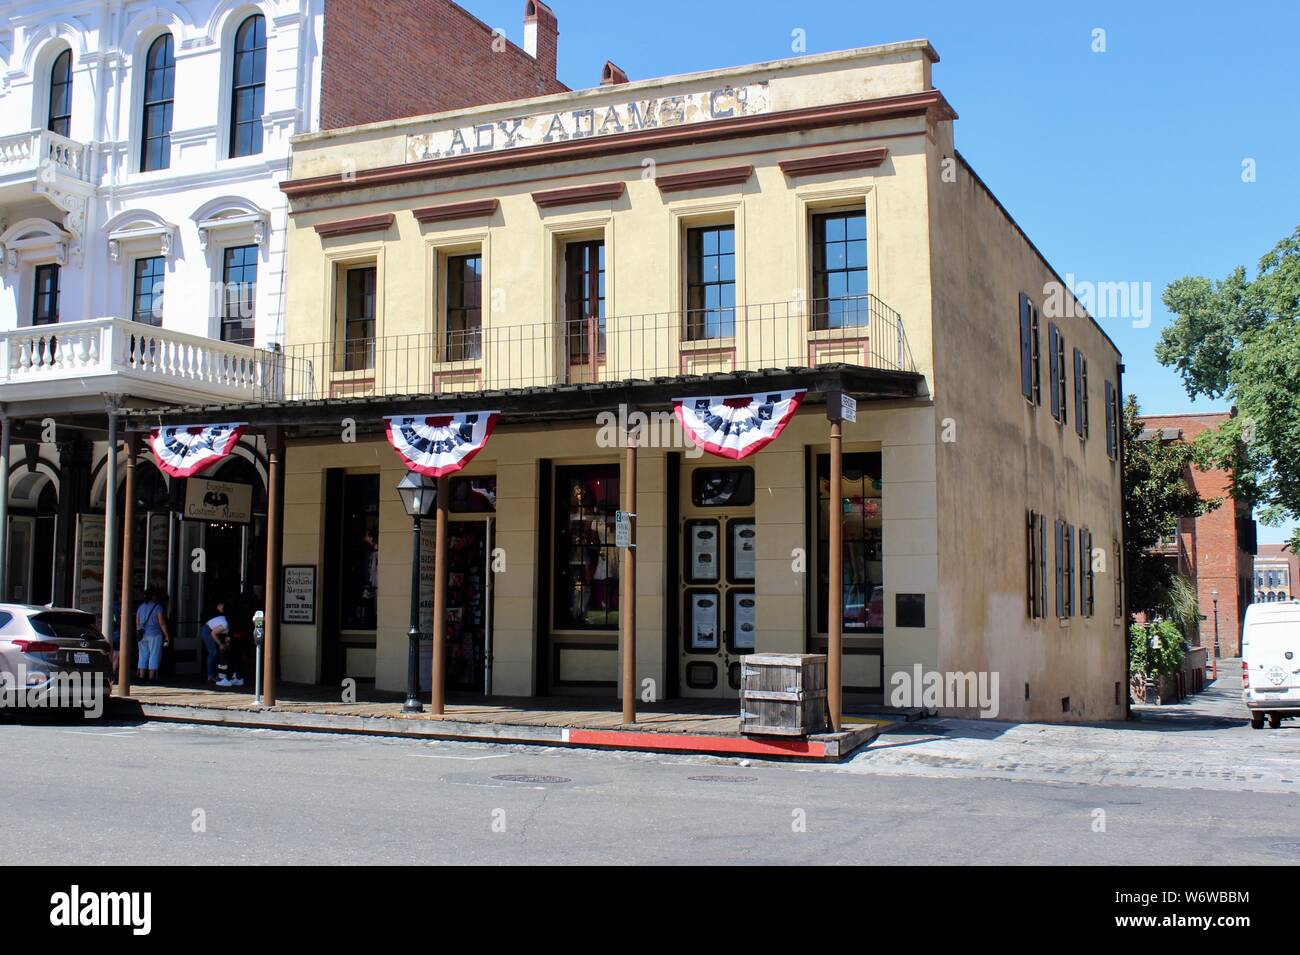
(735, 426)
(438, 445)
(218, 501)
(185, 450)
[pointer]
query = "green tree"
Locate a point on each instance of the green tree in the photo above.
(1240, 339)
(1157, 494)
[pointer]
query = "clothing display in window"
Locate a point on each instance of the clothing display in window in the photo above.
(587, 562)
(862, 567)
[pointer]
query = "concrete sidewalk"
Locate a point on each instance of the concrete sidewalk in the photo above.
(681, 726)
(1205, 742)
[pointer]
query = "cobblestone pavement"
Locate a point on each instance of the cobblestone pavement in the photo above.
(1205, 742)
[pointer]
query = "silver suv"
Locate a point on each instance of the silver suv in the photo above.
(46, 652)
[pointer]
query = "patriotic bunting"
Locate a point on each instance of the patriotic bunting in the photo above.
(185, 450)
(437, 445)
(735, 426)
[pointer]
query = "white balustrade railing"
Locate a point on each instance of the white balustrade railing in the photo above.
(35, 148)
(136, 353)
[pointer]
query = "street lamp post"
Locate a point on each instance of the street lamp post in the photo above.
(418, 492)
(1214, 596)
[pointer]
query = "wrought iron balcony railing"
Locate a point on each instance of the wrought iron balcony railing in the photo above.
(854, 330)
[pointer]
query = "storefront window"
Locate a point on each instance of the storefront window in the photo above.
(859, 501)
(586, 560)
(359, 584)
(473, 495)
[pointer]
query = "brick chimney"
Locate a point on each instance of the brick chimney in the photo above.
(611, 74)
(541, 34)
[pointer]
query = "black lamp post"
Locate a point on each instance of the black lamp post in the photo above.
(1214, 595)
(418, 492)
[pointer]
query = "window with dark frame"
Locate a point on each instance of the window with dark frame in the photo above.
(1068, 547)
(358, 584)
(584, 300)
(710, 282)
(359, 318)
(59, 119)
(586, 558)
(1060, 569)
(1112, 422)
(861, 553)
(239, 294)
(1056, 361)
(1035, 603)
(248, 87)
(45, 296)
(147, 293)
(464, 307)
(1026, 349)
(839, 269)
(1080, 394)
(1086, 581)
(159, 89)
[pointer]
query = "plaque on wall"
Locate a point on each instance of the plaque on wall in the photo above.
(742, 553)
(703, 620)
(702, 551)
(298, 603)
(744, 620)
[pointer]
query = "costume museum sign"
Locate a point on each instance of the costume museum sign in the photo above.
(591, 121)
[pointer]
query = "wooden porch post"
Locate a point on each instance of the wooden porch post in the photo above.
(835, 570)
(274, 526)
(627, 605)
(436, 703)
(110, 523)
(124, 650)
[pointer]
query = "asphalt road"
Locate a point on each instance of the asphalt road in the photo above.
(167, 793)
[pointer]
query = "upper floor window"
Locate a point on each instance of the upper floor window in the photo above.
(159, 88)
(248, 87)
(1029, 361)
(45, 298)
(711, 282)
(359, 318)
(1037, 555)
(1056, 359)
(464, 306)
(147, 300)
(584, 300)
(1112, 421)
(1080, 394)
(60, 117)
(839, 269)
(239, 294)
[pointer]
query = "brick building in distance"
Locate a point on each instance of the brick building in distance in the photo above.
(1277, 573)
(1216, 550)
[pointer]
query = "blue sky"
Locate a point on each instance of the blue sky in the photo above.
(1123, 165)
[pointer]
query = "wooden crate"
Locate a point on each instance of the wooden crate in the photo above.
(783, 694)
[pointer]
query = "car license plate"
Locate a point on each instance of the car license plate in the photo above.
(81, 658)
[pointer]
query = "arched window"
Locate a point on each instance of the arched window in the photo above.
(60, 118)
(248, 87)
(159, 86)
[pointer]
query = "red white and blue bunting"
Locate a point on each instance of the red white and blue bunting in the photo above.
(437, 445)
(185, 450)
(735, 426)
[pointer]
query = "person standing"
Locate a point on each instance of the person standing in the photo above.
(151, 625)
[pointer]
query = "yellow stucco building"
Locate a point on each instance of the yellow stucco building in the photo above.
(803, 225)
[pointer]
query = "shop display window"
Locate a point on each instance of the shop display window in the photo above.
(859, 500)
(586, 559)
(359, 585)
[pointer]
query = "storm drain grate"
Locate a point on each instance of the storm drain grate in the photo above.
(530, 778)
(723, 779)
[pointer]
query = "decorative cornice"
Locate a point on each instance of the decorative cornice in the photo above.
(456, 210)
(730, 176)
(567, 197)
(329, 230)
(835, 162)
(930, 103)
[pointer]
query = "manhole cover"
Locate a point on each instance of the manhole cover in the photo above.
(723, 779)
(529, 778)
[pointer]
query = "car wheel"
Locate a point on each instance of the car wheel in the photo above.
(1257, 722)
(1274, 720)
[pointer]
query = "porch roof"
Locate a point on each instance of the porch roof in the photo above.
(540, 404)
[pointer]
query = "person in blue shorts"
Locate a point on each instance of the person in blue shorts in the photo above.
(151, 625)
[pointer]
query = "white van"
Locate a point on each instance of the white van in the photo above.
(1270, 662)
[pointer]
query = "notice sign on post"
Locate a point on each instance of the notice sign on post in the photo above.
(623, 528)
(848, 408)
(299, 594)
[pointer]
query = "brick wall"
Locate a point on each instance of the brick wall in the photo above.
(1219, 561)
(386, 59)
